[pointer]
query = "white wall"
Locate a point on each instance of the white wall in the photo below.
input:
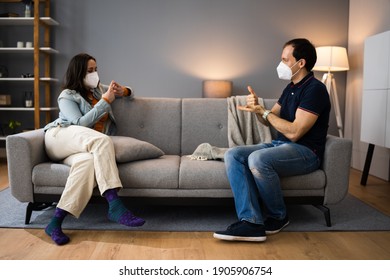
(366, 18)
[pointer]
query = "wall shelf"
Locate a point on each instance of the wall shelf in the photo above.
(42, 109)
(14, 21)
(42, 79)
(47, 50)
(41, 23)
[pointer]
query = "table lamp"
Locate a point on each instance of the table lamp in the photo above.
(332, 59)
(217, 88)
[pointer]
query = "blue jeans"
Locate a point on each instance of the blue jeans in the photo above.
(254, 174)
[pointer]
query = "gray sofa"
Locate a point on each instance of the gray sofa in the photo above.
(176, 126)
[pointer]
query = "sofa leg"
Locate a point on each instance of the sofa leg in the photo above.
(35, 206)
(326, 212)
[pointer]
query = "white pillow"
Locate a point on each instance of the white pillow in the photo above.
(130, 149)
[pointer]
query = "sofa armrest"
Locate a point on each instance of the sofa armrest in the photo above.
(24, 151)
(336, 164)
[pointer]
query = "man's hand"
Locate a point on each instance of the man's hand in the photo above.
(252, 98)
(252, 103)
(257, 109)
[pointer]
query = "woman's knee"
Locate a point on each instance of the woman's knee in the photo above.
(104, 140)
(80, 159)
(103, 137)
(85, 157)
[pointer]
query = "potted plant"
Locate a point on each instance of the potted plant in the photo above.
(13, 125)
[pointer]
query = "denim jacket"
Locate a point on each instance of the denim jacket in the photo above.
(75, 110)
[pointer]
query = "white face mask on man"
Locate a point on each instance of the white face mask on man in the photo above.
(91, 80)
(285, 72)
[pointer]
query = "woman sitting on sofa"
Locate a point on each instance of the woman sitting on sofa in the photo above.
(79, 138)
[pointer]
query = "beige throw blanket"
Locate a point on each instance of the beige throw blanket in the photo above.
(243, 129)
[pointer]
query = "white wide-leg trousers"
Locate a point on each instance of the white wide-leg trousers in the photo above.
(91, 157)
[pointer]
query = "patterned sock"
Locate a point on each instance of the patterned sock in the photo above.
(118, 212)
(54, 229)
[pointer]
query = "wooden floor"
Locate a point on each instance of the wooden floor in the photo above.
(29, 244)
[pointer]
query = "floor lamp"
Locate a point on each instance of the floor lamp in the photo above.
(332, 59)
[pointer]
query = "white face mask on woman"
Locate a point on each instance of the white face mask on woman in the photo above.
(284, 72)
(91, 80)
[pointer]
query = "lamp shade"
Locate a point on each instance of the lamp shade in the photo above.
(217, 88)
(331, 59)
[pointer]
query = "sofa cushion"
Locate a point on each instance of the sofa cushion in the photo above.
(159, 173)
(50, 174)
(130, 149)
(311, 181)
(199, 174)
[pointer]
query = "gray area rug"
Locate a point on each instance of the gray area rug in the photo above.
(349, 215)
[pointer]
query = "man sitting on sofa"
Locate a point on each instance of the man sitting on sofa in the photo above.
(301, 118)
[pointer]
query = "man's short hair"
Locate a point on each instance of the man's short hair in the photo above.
(303, 49)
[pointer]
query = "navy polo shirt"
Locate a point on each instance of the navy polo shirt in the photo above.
(312, 96)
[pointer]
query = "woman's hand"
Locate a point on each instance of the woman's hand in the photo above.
(118, 89)
(109, 95)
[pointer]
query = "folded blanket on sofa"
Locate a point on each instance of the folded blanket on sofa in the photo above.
(207, 152)
(243, 129)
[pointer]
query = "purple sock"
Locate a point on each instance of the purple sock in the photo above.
(111, 195)
(54, 229)
(118, 212)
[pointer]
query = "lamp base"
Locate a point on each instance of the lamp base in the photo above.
(330, 82)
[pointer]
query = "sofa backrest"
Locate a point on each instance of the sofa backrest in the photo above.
(154, 120)
(175, 125)
(204, 120)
